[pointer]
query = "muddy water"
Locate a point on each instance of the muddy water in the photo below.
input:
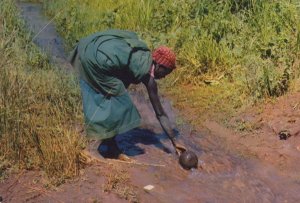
(221, 176)
(44, 32)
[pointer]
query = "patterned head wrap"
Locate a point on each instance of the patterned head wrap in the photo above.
(164, 56)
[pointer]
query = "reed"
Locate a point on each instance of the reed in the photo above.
(40, 106)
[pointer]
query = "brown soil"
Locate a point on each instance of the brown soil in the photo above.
(259, 133)
(249, 165)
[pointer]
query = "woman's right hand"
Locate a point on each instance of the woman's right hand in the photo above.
(179, 148)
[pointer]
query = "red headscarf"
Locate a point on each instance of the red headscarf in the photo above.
(164, 56)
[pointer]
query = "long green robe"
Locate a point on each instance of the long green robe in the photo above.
(107, 63)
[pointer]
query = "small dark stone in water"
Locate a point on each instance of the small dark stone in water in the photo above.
(188, 160)
(284, 135)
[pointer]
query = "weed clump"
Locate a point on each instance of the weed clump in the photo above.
(117, 181)
(40, 108)
(246, 50)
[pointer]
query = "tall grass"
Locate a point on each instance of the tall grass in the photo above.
(40, 108)
(252, 42)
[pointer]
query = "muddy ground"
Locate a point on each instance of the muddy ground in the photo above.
(249, 165)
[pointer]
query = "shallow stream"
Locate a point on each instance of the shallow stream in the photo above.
(221, 176)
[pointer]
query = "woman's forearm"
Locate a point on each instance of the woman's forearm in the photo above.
(166, 125)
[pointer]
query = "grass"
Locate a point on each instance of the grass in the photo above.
(249, 47)
(117, 181)
(40, 106)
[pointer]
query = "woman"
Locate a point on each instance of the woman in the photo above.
(107, 63)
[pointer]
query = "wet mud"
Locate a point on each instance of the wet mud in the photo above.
(223, 175)
(43, 31)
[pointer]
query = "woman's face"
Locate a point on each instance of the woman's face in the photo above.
(161, 71)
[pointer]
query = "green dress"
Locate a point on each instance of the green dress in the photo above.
(107, 63)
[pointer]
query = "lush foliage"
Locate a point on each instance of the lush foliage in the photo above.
(251, 42)
(39, 105)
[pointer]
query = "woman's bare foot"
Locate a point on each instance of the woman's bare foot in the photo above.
(124, 157)
(113, 151)
(91, 153)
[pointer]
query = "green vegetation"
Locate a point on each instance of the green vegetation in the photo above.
(40, 106)
(245, 50)
(253, 43)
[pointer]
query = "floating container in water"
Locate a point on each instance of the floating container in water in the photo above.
(188, 160)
